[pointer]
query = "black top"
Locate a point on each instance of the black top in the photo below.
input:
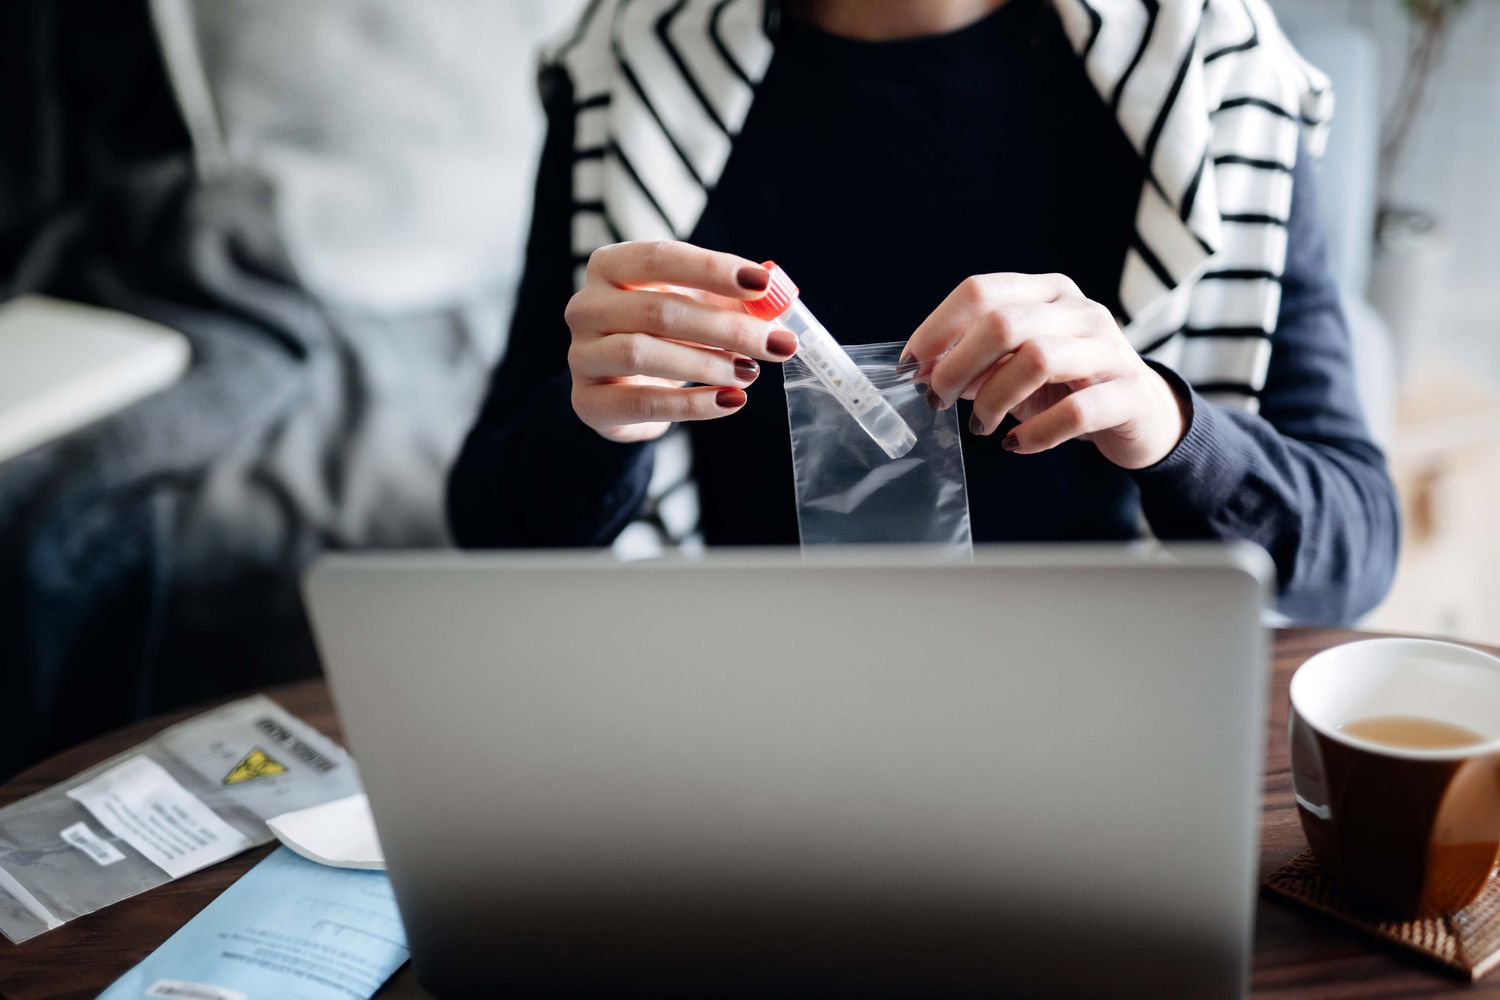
(880, 175)
(864, 171)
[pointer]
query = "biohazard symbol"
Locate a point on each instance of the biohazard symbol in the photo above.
(257, 764)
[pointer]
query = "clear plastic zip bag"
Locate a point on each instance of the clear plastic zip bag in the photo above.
(849, 490)
(190, 796)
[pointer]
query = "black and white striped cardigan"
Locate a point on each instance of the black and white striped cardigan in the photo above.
(1208, 92)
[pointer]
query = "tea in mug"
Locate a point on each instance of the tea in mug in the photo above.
(1411, 732)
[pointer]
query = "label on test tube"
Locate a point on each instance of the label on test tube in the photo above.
(831, 364)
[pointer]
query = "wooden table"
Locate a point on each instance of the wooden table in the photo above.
(1297, 953)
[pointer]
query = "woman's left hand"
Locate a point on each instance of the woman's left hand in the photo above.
(1031, 345)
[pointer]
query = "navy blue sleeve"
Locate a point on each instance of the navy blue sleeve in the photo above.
(1301, 478)
(531, 474)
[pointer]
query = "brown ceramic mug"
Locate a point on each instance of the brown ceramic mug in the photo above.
(1410, 831)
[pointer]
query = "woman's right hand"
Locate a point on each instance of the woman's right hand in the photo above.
(653, 317)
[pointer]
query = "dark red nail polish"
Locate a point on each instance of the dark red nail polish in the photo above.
(934, 400)
(781, 343)
(1011, 442)
(905, 359)
(746, 370)
(730, 399)
(976, 426)
(753, 279)
(921, 387)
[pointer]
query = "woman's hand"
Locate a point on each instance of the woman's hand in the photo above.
(1031, 345)
(653, 317)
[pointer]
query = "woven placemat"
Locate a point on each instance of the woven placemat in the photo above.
(1467, 940)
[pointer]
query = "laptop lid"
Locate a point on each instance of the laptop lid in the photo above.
(878, 772)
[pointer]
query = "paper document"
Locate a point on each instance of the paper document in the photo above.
(143, 805)
(287, 928)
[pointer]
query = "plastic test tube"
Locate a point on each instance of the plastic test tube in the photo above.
(832, 364)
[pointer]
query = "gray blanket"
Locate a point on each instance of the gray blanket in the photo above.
(152, 560)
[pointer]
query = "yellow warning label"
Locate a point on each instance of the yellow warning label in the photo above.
(257, 764)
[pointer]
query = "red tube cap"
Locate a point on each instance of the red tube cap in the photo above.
(779, 296)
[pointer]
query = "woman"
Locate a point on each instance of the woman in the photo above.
(1031, 194)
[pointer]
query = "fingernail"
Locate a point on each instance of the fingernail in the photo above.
(1011, 442)
(754, 279)
(905, 359)
(730, 399)
(782, 343)
(976, 426)
(935, 401)
(921, 387)
(746, 370)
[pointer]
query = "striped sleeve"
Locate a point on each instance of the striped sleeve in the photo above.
(1301, 478)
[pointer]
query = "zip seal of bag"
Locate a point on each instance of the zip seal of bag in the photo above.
(831, 364)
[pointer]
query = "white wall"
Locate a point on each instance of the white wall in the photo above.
(1452, 163)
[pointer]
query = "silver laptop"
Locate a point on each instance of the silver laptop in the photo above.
(874, 774)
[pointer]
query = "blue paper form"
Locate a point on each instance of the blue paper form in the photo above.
(289, 928)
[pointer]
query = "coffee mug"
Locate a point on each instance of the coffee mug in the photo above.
(1396, 769)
